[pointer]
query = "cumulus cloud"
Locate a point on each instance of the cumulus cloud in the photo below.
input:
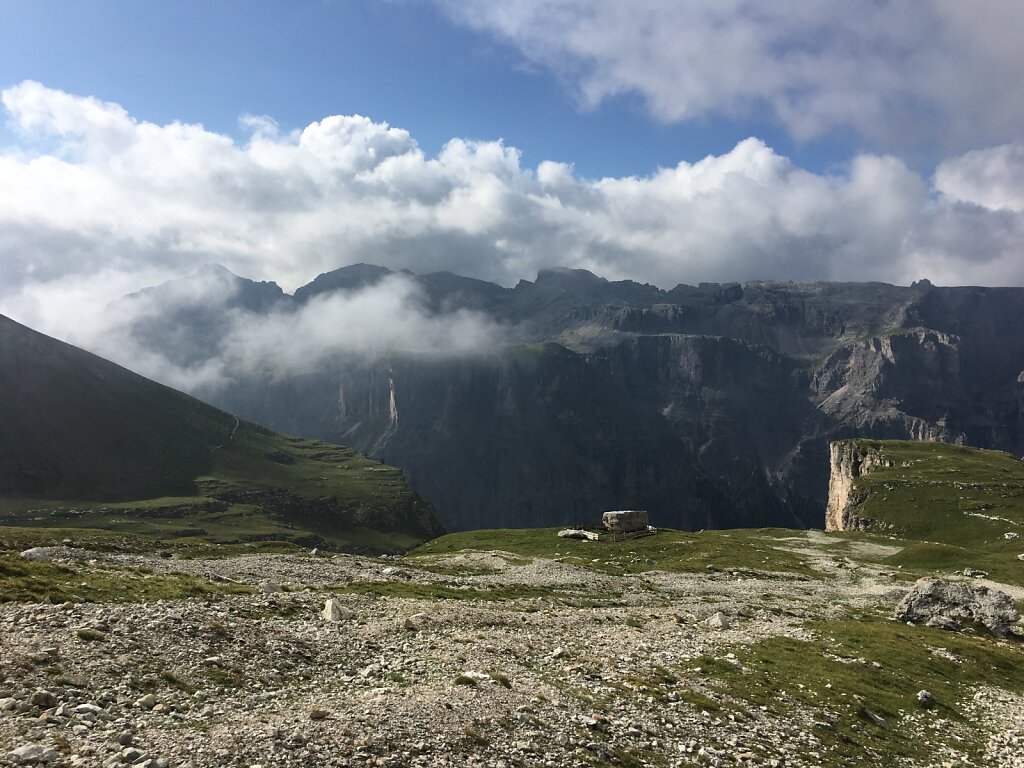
(937, 69)
(94, 203)
(991, 178)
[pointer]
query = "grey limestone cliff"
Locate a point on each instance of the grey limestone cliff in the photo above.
(849, 460)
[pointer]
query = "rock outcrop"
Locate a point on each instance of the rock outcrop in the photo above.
(942, 603)
(848, 460)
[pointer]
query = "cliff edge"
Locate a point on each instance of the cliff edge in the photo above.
(850, 459)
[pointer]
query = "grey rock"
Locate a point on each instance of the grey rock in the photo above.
(416, 621)
(335, 611)
(925, 698)
(577, 533)
(931, 598)
(146, 702)
(43, 699)
(37, 554)
(625, 521)
(32, 753)
(719, 620)
(874, 717)
(944, 622)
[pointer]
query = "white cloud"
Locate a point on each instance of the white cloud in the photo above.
(381, 319)
(943, 70)
(992, 178)
(218, 340)
(120, 203)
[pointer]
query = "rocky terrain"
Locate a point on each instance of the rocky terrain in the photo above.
(712, 406)
(670, 650)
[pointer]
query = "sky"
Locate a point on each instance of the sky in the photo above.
(656, 140)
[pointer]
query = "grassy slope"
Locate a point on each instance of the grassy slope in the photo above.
(380, 512)
(88, 444)
(954, 505)
(744, 550)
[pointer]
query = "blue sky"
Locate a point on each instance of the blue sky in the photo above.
(660, 141)
(407, 63)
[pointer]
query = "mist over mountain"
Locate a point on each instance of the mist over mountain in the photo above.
(709, 405)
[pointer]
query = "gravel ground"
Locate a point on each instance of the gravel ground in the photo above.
(550, 680)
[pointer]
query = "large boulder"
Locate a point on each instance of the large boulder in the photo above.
(37, 554)
(625, 521)
(939, 603)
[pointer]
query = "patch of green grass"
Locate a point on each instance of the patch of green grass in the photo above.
(30, 581)
(743, 550)
(475, 738)
(174, 680)
(501, 679)
(225, 678)
(855, 666)
(21, 537)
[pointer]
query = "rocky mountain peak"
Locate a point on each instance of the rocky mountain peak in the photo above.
(352, 277)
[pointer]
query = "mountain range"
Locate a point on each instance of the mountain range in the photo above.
(710, 406)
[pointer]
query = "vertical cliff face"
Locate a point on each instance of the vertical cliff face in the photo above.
(849, 459)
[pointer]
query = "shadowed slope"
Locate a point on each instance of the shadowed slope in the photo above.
(79, 432)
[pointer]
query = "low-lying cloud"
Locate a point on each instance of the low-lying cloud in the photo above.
(95, 203)
(200, 333)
